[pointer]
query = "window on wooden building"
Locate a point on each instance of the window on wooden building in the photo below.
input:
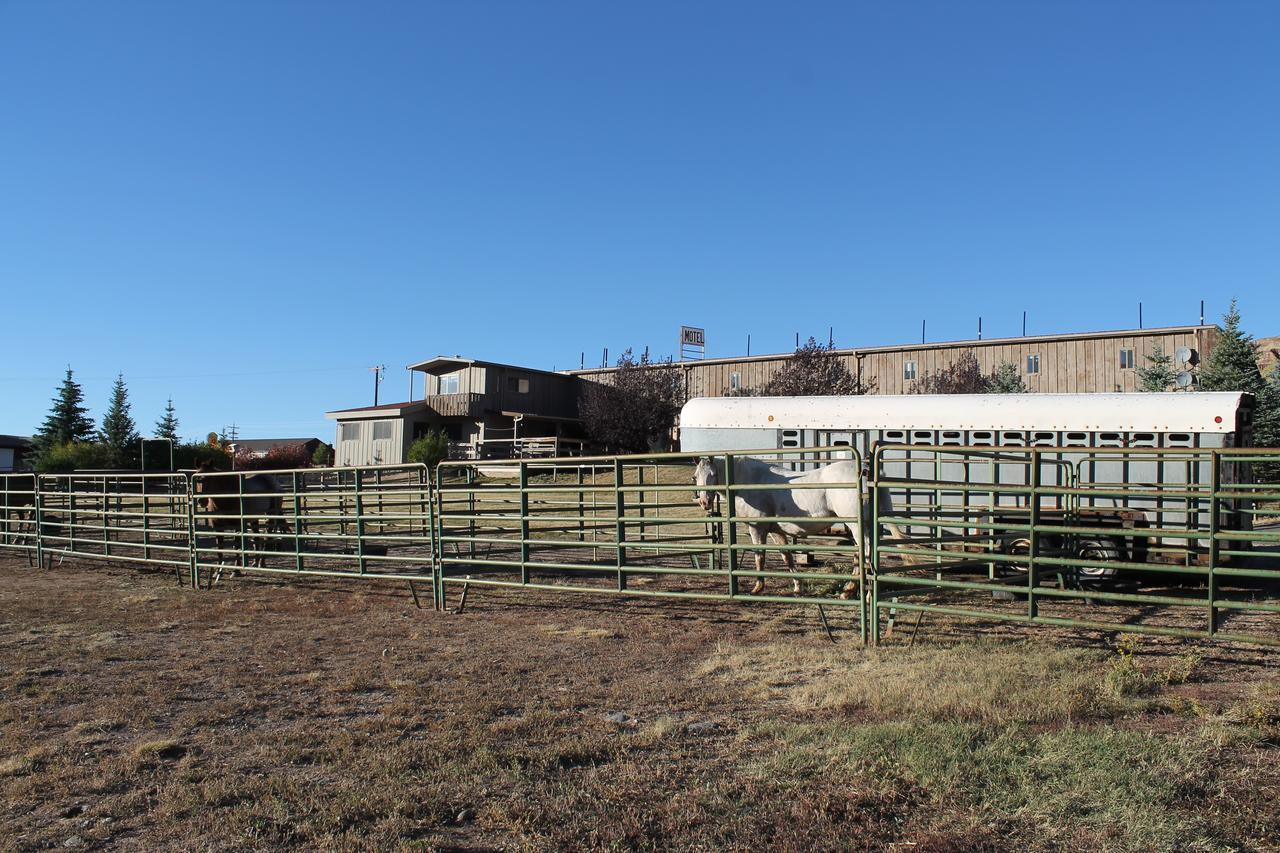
(1033, 364)
(382, 430)
(349, 432)
(909, 370)
(450, 383)
(516, 385)
(735, 381)
(1126, 359)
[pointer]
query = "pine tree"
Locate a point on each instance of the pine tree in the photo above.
(167, 426)
(119, 433)
(1159, 374)
(1266, 427)
(1006, 379)
(1233, 364)
(68, 420)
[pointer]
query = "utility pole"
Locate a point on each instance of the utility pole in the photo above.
(377, 380)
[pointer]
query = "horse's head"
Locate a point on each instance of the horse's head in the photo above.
(704, 476)
(210, 483)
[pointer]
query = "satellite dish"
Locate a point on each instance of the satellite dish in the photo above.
(1183, 355)
(1185, 380)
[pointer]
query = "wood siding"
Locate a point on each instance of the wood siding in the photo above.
(1072, 364)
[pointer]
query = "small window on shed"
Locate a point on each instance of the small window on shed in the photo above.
(349, 432)
(450, 383)
(382, 430)
(909, 370)
(735, 381)
(1126, 359)
(517, 385)
(1033, 364)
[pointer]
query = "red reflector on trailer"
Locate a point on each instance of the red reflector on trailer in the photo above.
(1217, 419)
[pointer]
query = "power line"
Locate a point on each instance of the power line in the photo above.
(184, 375)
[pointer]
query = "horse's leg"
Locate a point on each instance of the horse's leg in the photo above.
(258, 544)
(789, 558)
(758, 537)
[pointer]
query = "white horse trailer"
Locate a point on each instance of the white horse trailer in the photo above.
(1001, 422)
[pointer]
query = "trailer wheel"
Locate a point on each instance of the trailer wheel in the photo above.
(1015, 545)
(1104, 550)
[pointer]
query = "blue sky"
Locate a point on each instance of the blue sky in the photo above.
(244, 205)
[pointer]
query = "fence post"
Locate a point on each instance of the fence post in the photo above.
(873, 614)
(193, 542)
(861, 543)
(1033, 537)
(297, 525)
(582, 510)
(620, 524)
(524, 522)
(146, 521)
(437, 547)
(1215, 483)
(39, 511)
(359, 501)
(106, 518)
(731, 536)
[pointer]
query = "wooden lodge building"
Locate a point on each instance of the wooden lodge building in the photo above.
(1085, 362)
(489, 409)
(485, 408)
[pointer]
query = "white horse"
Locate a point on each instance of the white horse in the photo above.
(842, 500)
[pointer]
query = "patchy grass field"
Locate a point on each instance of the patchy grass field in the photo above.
(138, 715)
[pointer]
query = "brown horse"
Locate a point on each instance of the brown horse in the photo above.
(239, 503)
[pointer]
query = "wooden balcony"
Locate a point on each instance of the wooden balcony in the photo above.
(457, 405)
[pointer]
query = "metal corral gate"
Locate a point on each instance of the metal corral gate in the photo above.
(365, 523)
(625, 525)
(1178, 542)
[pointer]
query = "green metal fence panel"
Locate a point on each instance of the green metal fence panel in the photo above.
(129, 518)
(18, 514)
(629, 525)
(371, 523)
(1190, 548)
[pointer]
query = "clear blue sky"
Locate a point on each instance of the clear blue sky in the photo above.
(244, 205)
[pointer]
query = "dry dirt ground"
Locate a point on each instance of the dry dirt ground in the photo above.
(138, 715)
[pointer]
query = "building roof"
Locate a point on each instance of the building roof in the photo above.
(983, 342)
(443, 364)
(1203, 411)
(20, 442)
(386, 408)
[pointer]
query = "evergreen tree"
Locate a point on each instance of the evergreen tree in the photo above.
(1159, 374)
(68, 419)
(1233, 364)
(119, 433)
(1266, 427)
(167, 426)
(1006, 379)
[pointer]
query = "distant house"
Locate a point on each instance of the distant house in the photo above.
(14, 450)
(483, 407)
(263, 446)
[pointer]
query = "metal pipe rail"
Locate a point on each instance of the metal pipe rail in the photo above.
(372, 523)
(1050, 548)
(629, 525)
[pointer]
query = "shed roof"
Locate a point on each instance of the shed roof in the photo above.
(442, 364)
(385, 408)
(20, 442)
